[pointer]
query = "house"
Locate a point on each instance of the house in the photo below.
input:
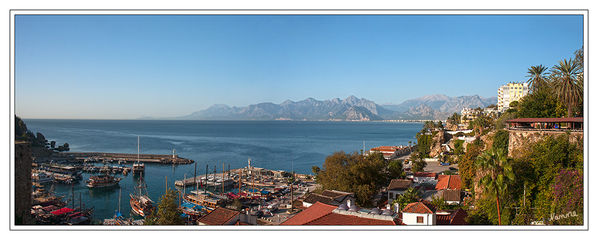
(448, 182)
(397, 187)
(225, 216)
(345, 214)
(390, 152)
(419, 213)
(330, 197)
(451, 217)
(424, 177)
(452, 197)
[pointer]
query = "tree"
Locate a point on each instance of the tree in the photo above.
(454, 119)
(354, 173)
(537, 77)
(569, 88)
(410, 195)
(500, 141)
(542, 103)
(498, 174)
(168, 212)
(315, 170)
(395, 169)
(419, 165)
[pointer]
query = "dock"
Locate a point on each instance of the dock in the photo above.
(127, 157)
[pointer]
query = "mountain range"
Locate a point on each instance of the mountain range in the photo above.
(432, 107)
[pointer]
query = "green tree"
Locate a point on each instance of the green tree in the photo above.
(395, 169)
(537, 77)
(168, 212)
(569, 88)
(354, 173)
(500, 141)
(410, 195)
(419, 165)
(498, 173)
(542, 103)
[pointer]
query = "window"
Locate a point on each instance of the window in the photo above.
(420, 219)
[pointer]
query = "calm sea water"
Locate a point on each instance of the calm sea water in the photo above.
(280, 145)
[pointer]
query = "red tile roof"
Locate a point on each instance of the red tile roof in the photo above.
(385, 149)
(341, 219)
(424, 174)
(448, 182)
(219, 216)
(313, 212)
(419, 207)
(453, 218)
(321, 214)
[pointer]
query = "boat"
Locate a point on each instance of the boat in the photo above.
(41, 177)
(141, 204)
(104, 180)
(202, 200)
(138, 167)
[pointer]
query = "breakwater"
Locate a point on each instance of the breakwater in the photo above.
(128, 157)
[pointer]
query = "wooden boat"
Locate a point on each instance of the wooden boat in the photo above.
(140, 202)
(202, 200)
(101, 181)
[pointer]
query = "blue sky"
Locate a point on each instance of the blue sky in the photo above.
(122, 67)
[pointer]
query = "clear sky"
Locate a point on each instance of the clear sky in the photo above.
(122, 67)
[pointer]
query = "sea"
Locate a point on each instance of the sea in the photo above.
(278, 145)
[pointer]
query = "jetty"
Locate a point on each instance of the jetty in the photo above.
(127, 157)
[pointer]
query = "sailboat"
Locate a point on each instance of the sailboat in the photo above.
(138, 167)
(140, 202)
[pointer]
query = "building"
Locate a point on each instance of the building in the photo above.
(397, 187)
(419, 213)
(424, 178)
(547, 124)
(345, 214)
(330, 197)
(451, 217)
(510, 92)
(390, 152)
(225, 216)
(23, 183)
(468, 115)
(445, 182)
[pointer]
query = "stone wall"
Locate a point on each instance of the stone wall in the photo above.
(22, 183)
(519, 140)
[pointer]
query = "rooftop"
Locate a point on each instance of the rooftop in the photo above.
(419, 207)
(546, 120)
(448, 182)
(219, 216)
(313, 212)
(399, 184)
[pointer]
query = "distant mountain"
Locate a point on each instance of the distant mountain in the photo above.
(350, 109)
(438, 106)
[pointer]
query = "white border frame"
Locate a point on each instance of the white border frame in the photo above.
(583, 12)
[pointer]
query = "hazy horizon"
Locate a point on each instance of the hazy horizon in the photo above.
(128, 67)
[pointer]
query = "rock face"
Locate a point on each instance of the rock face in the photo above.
(440, 138)
(519, 140)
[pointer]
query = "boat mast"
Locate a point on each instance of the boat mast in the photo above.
(137, 149)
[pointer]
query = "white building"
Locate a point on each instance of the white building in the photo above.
(509, 93)
(419, 213)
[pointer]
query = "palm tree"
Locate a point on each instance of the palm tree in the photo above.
(569, 88)
(498, 174)
(537, 77)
